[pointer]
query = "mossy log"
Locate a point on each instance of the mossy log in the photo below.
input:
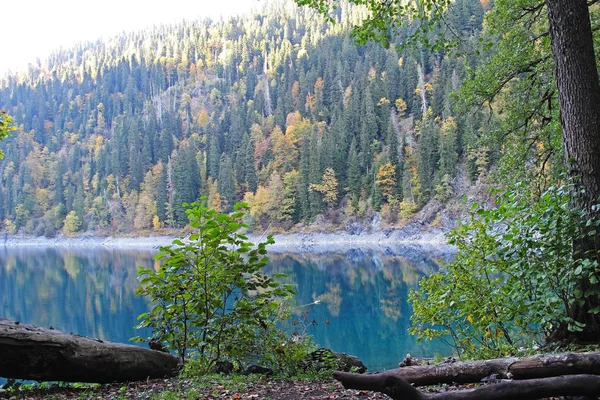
(34, 353)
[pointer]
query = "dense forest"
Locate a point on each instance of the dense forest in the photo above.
(279, 109)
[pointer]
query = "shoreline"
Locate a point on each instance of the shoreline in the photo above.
(284, 242)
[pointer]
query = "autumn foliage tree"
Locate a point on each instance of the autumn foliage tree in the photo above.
(328, 188)
(5, 127)
(386, 180)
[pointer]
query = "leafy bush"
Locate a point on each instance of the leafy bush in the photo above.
(515, 277)
(210, 299)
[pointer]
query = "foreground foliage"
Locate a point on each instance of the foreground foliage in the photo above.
(210, 299)
(513, 282)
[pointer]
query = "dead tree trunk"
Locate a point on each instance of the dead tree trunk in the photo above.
(398, 388)
(30, 352)
(541, 366)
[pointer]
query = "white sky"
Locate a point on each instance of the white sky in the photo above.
(34, 28)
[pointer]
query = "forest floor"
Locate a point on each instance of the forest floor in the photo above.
(206, 388)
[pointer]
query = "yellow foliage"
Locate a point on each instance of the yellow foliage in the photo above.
(156, 223)
(449, 125)
(407, 209)
(72, 223)
(257, 203)
(214, 198)
(203, 118)
(383, 101)
(42, 197)
(10, 227)
(332, 298)
(400, 107)
(327, 187)
(285, 152)
(386, 179)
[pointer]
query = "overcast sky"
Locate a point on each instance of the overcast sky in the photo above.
(34, 28)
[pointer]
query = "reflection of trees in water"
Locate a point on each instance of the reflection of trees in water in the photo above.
(85, 291)
(363, 309)
(363, 298)
(332, 298)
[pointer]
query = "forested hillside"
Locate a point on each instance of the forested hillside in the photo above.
(280, 109)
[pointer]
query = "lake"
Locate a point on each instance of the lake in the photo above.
(361, 295)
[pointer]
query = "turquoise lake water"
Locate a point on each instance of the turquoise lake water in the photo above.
(361, 294)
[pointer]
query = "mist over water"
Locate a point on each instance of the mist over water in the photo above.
(361, 295)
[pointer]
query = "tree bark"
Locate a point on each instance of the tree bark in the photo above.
(398, 388)
(30, 352)
(578, 85)
(542, 366)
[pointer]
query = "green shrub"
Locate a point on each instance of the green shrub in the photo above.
(514, 279)
(209, 299)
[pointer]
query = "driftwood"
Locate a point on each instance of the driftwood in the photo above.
(541, 366)
(523, 378)
(30, 352)
(399, 389)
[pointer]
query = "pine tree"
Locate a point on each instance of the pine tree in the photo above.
(448, 144)
(394, 158)
(354, 174)
(213, 157)
(314, 174)
(186, 181)
(226, 184)
(289, 206)
(136, 165)
(250, 177)
(162, 197)
(304, 179)
(427, 155)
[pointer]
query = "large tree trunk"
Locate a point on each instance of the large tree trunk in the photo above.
(579, 99)
(30, 352)
(542, 366)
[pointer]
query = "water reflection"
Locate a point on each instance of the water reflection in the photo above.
(363, 308)
(86, 291)
(362, 295)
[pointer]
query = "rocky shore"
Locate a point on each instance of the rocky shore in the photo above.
(314, 242)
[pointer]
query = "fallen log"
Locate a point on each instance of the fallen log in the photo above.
(34, 353)
(399, 389)
(540, 366)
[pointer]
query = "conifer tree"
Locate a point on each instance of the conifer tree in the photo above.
(448, 144)
(226, 184)
(304, 179)
(354, 174)
(427, 155)
(250, 176)
(314, 173)
(394, 158)
(186, 181)
(162, 198)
